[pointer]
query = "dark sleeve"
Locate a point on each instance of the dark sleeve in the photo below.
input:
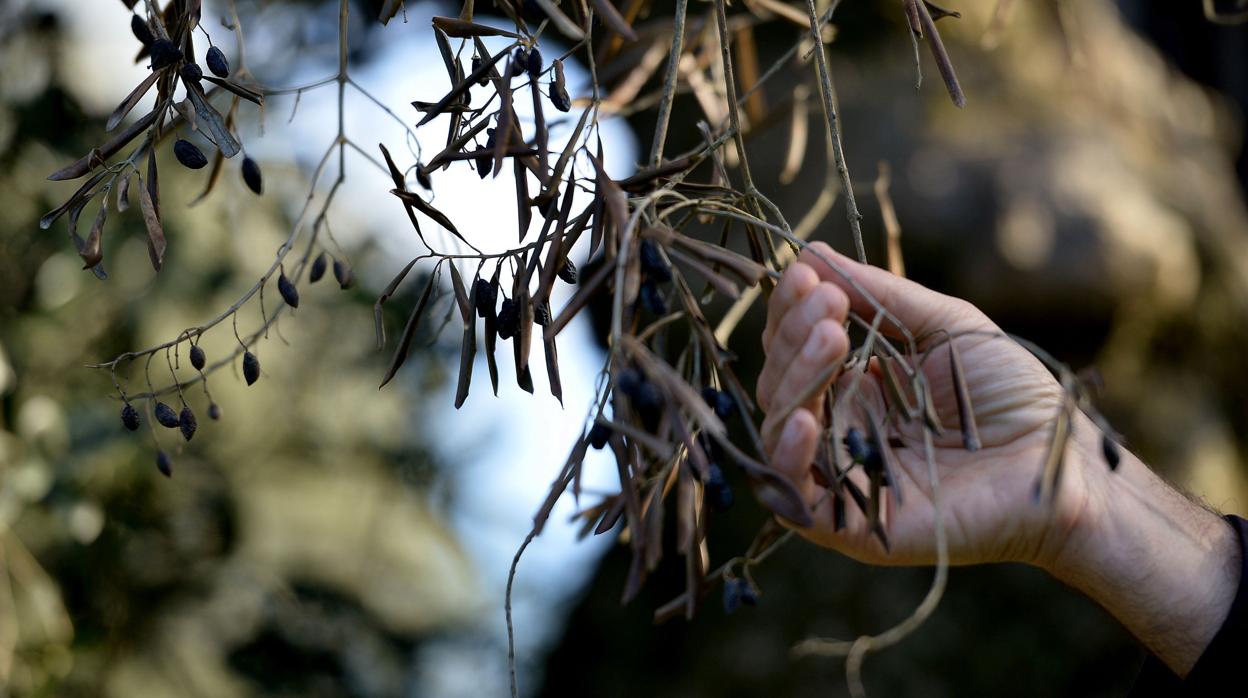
(1223, 662)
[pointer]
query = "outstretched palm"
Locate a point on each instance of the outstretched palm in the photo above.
(990, 513)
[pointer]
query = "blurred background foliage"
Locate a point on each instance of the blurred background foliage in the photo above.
(1090, 197)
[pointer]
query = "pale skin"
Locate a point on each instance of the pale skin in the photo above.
(1164, 566)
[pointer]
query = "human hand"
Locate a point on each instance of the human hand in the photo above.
(1164, 565)
(990, 512)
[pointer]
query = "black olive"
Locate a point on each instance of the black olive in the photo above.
(720, 401)
(251, 367)
(164, 464)
(251, 176)
(217, 63)
(343, 274)
(290, 294)
(191, 72)
(166, 416)
(534, 63)
(198, 359)
(861, 450)
(718, 493)
(187, 154)
(508, 319)
(541, 314)
(599, 434)
(164, 53)
(130, 417)
(628, 382)
(214, 412)
(485, 298)
(187, 422)
(567, 272)
(318, 268)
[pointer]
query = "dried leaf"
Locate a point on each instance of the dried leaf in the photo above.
(78, 198)
(109, 148)
(385, 296)
(552, 369)
(612, 18)
(409, 332)
(966, 413)
(506, 117)
(131, 99)
(211, 123)
(468, 348)
(155, 232)
(389, 9)
(940, 55)
(461, 294)
(578, 301)
(91, 253)
(561, 21)
(421, 205)
(246, 93)
(458, 90)
(461, 29)
(491, 336)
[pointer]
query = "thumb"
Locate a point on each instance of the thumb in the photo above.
(919, 309)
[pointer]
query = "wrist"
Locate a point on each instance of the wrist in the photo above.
(1164, 566)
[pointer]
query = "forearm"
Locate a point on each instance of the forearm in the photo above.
(1165, 567)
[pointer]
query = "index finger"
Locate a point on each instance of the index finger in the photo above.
(797, 281)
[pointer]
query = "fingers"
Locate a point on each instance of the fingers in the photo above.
(795, 449)
(825, 344)
(920, 309)
(797, 281)
(791, 320)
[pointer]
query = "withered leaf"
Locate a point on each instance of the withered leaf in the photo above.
(246, 93)
(211, 123)
(155, 232)
(458, 90)
(552, 369)
(613, 19)
(461, 294)
(109, 148)
(561, 21)
(424, 207)
(389, 9)
(468, 349)
(91, 253)
(466, 30)
(524, 338)
(506, 117)
(131, 99)
(578, 301)
(966, 412)
(78, 198)
(409, 332)
(491, 336)
(385, 296)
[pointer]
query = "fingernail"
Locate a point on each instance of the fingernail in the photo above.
(816, 344)
(792, 430)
